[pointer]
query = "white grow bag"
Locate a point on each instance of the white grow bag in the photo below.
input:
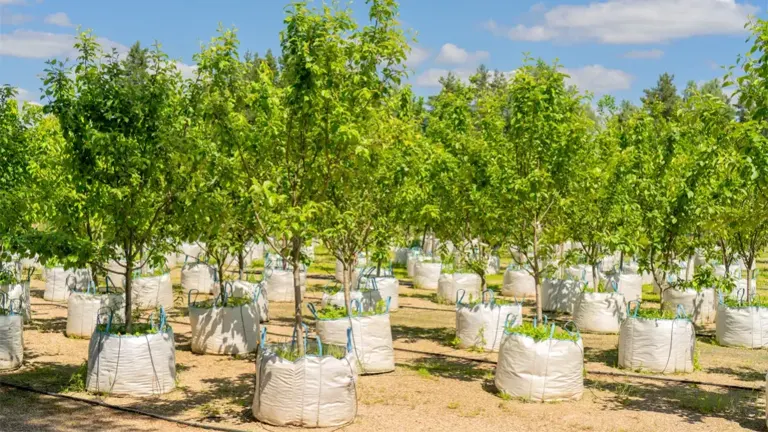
(699, 305)
(482, 325)
(58, 281)
(279, 284)
(151, 291)
(582, 272)
(132, 365)
(560, 295)
(657, 345)
(413, 258)
(11, 338)
(518, 283)
(388, 287)
(224, 329)
(600, 312)
(367, 299)
(629, 284)
(743, 326)
(426, 274)
(198, 275)
(494, 265)
(249, 289)
(19, 295)
(371, 338)
(83, 310)
(312, 391)
(549, 370)
(449, 285)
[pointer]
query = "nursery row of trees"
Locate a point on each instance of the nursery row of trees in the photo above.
(326, 140)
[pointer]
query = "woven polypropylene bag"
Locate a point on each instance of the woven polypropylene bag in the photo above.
(248, 289)
(745, 326)
(629, 284)
(600, 312)
(560, 295)
(83, 310)
(11, 341)
(279, 284)
(132, 365)
(699, 305)
(225, 329)
(311, 391)
(482, 325)
(449, 284)
(548, 370)
(657, 345)
(56, 279)
(152, 291)
(426, 274)
(519, 284)
(19, 295)
(198, 276)
(371, 340)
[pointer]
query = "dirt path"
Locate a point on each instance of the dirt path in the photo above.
(425, 393)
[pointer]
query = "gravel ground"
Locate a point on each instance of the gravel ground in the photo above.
(425, 393)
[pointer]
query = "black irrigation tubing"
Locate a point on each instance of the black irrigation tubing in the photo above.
(120, 408)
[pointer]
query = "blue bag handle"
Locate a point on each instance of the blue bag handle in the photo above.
(460, 298)
(389, 300)
(551, 330)
(629, 307)
(349, 339)
(575, 329)
(189, 297)
(681, 312)
(352, 307)
(507, 321)
(263, 336)
(319, 346)
(491, 298)
(312, 309)
(615, 286)
(256, 293)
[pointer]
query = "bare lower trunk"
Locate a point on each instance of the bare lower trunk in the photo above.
(128, 289)
(345, 278)
(94, 275)
(240, 265)
(621, 262)
(536, 272)
(594, 276)
(749, 281)
(296, 261)
(688, 267)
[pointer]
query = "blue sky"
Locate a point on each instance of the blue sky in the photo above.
(616, 47)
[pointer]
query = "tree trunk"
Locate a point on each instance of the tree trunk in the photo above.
(128, 288)
(240, 265)
(296, 260)
(749, 281)
(345, 280)
(536, 273)
(94, 275)
(594, 277)
(621, 262)
(220, 271)
(688, 267)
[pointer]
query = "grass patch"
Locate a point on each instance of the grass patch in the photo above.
(291, 353)
(331, 312)
(542, 332)
(76, 382)
(755, 301)
(138, 329)
(654, 313)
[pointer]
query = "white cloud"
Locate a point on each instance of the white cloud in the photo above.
(644, 54)
(59, 18)
(452, 54)
(417, 56)
(633, 21)
(598, 79)
(34, 44)
(187, 71)
(11, 19)
(431, 77)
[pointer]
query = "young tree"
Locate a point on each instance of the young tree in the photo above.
(465, 127)
(18, 186)
(218, 211)
(332, 79)
(672, 164)
(545, 129)
(124, 130)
